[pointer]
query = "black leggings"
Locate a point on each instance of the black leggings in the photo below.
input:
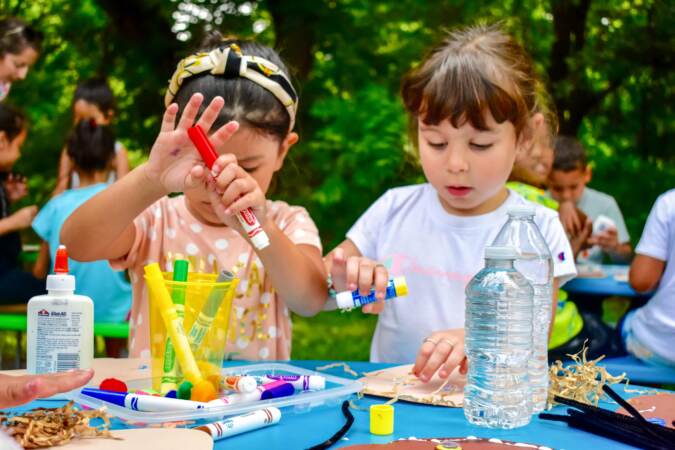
(18, 286)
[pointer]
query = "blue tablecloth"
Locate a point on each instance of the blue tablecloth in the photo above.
(303, 430)
(613, 283)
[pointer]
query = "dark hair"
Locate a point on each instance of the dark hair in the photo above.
(97, 92)
(90, 146)
(16, 35)
(474, 69)
(569, 154)
(12, 121)
(245, 101)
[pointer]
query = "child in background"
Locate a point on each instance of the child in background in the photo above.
(93, 99)
(19, 49)
(250, 112)
(567, 183)
(471, 103)
(91, 148)
(649, 332)
(16, 285)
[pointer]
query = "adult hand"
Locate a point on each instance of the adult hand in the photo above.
(18, 390)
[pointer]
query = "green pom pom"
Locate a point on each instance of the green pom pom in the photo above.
(184, 390)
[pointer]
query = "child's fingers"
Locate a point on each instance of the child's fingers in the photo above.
(196, 177)
(352, 272)
(374, 308)
(425, 352)
(249, 200)
(464, 366)
(381, 281)
(221, 162)
(236, 189)
(190, 111)
(228, 174)
(338, 269)
(224, 133)
(169, 118)
(366, 274)
(453, 360)
(438, 357)
(211, 113)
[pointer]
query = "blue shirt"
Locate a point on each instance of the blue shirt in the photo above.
(109, 290)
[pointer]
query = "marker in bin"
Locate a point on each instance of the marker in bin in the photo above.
(246, 217)
(299, 382)
(146, 403)
(396, 287)
(241, 424)
(276, 389)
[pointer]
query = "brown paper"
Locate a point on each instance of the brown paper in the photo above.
(398, 382)
(147, 438)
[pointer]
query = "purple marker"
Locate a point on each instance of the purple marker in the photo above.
(275, 389)
(299, 382)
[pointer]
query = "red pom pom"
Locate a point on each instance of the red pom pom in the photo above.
(113, 384)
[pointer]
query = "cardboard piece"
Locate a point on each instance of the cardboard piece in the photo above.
(399, 380)
(658, 407)
(468, 443)
(158, 438)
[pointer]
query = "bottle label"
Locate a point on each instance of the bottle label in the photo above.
(59, 334)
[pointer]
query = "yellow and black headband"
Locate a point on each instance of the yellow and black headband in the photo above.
(231, 63)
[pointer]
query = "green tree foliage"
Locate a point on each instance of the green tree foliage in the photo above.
(608, 65)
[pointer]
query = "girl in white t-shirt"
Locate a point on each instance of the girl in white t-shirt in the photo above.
(472, 102)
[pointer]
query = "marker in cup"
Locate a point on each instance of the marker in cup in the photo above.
(170, 372)
(202, 323)
(247, 219)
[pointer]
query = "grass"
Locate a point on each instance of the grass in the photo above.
(334, 335)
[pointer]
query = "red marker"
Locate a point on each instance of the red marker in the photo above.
(247, 219)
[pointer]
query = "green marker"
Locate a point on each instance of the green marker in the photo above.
(170, 374)
(202, 324)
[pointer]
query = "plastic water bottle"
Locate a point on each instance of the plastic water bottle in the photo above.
(535, 263)
(498, 343)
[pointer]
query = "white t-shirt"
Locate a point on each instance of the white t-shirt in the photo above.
(654, 323)
(408, 230)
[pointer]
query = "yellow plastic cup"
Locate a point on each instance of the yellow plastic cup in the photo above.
(203, 322)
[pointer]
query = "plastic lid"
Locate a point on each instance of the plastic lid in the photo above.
(400, 286)
(260, 241)
(344, 300)
(524, 210)
(501, 253)
(60, 280)
(381, 419)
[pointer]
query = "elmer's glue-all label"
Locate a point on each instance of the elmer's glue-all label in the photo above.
(60, 324)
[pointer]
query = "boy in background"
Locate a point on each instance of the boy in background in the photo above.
(567, 183)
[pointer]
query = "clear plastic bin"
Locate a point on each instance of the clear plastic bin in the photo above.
(337, 390)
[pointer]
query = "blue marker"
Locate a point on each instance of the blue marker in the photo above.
(348, 300)
(146, 403)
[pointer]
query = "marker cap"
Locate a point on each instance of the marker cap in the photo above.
(260, 241)
(344, 300)
(114, 397)
(317, 383)
(381, 419)
(400, 286)
(276, 389)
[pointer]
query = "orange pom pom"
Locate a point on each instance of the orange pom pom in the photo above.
(203, 391)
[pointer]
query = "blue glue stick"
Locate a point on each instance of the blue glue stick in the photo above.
(395, 288)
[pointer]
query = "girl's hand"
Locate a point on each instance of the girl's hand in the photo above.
(580, 241)
(232, 189)
(24, 217)
(19, 390)
(173, 156)
(360, 272)
(443, 351)
(17, 187)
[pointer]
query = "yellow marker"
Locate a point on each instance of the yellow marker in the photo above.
(157, 289)
(381, 419)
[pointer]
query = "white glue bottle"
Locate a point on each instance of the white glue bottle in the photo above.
(60, 324)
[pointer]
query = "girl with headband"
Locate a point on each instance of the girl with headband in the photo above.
(240, 93)
(19, 49)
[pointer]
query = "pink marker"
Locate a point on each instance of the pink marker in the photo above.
(247, 219)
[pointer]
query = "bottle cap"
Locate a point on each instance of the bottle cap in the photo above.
(501, 253)
(523, 210)
(400, 286)
(381, 419)
(60, 280)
